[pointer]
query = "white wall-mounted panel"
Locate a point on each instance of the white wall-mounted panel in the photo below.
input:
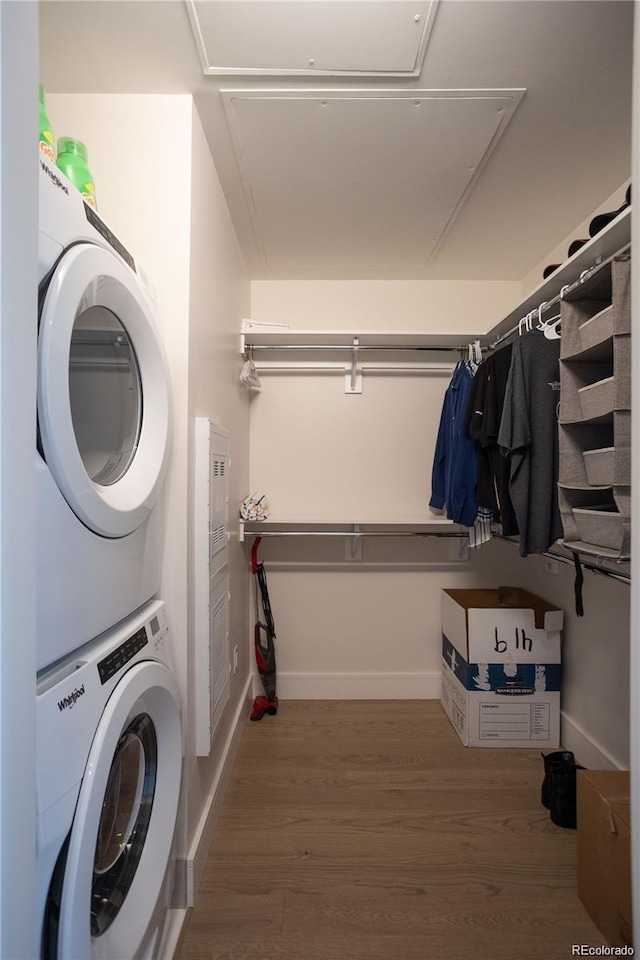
(312, 37)
(211, 579)
(372, 178)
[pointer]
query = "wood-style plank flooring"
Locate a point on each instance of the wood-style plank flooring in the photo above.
(362, 830)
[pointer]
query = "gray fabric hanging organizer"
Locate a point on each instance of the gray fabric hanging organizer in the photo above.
(595, 413)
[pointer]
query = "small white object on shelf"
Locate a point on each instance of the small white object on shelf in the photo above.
(255, 507)
(259, 326)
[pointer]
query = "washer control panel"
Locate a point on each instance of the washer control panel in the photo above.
(121, 656)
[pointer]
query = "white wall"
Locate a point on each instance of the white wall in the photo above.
(219, 298)
(362, 630)
(18, 329)
(595, 652)
(317, 451)
(415, 305)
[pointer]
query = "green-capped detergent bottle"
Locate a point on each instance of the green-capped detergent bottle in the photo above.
(47, 140)
(72, 160)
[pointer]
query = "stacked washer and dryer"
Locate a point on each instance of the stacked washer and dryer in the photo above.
(109, 736)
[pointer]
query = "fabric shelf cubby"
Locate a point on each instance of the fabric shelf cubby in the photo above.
(595, 412)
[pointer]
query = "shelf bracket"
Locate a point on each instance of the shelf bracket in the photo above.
(353, 544)
(353, 378)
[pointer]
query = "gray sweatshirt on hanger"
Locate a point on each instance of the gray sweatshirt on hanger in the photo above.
(529, 437)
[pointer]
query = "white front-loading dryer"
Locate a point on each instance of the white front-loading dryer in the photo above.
(108, 769)
(103, 427)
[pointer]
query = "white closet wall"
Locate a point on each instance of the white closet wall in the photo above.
(319, 452)
(595, 652)
(18, 379)
(420, 305)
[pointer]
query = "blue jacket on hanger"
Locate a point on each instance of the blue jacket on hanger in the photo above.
(454, 475)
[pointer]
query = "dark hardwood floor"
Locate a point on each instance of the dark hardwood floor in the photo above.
(362, 830)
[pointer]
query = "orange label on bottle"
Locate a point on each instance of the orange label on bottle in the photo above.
(48, 150)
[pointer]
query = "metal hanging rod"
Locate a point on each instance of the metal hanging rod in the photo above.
(546, 305)
(349, 346)
(350, 533)
(335, 366)
(591, 567)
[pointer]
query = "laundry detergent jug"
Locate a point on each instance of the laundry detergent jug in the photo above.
(72, 160)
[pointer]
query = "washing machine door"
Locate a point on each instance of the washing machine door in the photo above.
(103, 395)
(120, 840)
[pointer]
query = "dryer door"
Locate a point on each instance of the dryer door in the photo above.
(103, 396)
(120, 841)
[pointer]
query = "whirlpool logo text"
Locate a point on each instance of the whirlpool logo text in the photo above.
(70, 701)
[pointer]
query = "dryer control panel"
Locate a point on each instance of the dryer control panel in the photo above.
(158, 629)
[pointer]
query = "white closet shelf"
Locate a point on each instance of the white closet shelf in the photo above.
(614, 238)
(349, 527)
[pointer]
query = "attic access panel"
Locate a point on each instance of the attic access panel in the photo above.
(360, 183)
(311, 37)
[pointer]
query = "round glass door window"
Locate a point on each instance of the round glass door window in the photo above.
(105, 392)
(124, 820)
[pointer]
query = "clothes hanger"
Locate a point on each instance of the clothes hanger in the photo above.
(474, 355)
(551, 328)
(548, 327)
(541, 323)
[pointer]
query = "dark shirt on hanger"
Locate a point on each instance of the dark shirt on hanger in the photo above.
(483, 419)
(529, 436)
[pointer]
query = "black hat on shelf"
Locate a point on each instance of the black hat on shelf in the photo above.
(575, 245)
(602, 220)
(598, 223)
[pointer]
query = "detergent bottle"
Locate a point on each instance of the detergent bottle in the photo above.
(72, 160)
(47, 140)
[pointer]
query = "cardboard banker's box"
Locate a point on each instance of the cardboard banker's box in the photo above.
(501, 667)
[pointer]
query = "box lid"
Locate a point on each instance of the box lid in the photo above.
(547, 617)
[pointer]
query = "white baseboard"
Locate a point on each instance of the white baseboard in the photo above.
(203, 838)
(174, 926)
(359, 686)
(588, 753)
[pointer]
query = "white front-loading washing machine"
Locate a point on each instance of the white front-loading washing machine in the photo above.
(103, 427)
(109, 761)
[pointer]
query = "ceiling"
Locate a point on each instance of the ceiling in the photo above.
(459, 139)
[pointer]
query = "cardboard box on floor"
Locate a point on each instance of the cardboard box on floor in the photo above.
(501, 667)
(603, 852)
